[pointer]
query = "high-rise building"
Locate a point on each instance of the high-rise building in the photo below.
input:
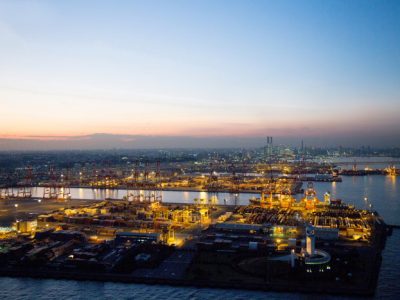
(268, 149)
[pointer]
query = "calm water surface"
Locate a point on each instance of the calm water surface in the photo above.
(382, 192)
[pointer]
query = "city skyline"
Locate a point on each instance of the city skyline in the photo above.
(101, 141)
(192, 72)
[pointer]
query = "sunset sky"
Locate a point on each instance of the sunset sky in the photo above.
(200, 68)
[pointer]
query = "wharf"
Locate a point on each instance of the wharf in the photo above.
(223, 267)
(296, 189)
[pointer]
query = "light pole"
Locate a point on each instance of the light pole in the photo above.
(16, 211)
(366, 201)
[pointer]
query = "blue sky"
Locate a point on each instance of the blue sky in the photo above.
(200, 68)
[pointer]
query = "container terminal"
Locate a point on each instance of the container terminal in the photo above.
(274, 243)
(274, 167)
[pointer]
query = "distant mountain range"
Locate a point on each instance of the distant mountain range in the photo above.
(117, 141)
(114, 141)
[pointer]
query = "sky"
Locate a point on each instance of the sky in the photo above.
(313, 70)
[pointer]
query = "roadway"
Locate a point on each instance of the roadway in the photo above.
(10, 210)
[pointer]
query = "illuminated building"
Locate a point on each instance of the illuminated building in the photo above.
(310, 240)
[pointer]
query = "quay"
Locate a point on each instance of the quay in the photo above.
(275, 243)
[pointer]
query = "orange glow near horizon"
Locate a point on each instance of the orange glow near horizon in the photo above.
(256, 70)
(59, 130)
(56, 114)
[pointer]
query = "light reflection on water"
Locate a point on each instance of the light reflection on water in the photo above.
(27, 289)
(382, 192)
(362, 162)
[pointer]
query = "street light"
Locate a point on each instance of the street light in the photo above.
(366, 201)
(16, 211)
